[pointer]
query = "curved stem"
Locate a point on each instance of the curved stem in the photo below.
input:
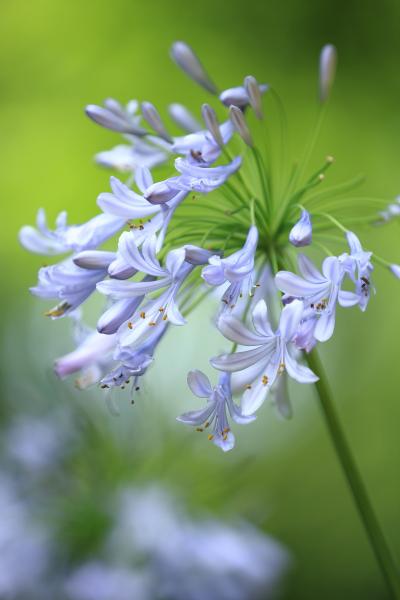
(352, 474)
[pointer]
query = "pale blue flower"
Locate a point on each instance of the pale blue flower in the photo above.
(201, 147)
(215, 414)
(90, 357)
(133, 362)
(126, 158)
(67, 282)
(65, 238)
(168, 278)
(237, 269)
(359, 268)
(392, 211)
(320, 291)
(301, 234)
(124, 202)
(269, 356)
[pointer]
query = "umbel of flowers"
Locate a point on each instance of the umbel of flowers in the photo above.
(228, 218)
(232, 218)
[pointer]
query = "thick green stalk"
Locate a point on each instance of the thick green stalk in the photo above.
(352, 474)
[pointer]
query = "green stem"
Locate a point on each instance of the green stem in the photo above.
(352, 474)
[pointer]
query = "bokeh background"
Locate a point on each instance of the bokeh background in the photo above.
(57, 56)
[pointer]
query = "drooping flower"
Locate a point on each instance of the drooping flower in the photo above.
(68, 283)
(359, 268)
(237, 269)
(269, 356)
(320, 291)
(215, 413)
(90, 357)
(133, 362)
(168, 278)
(301, 233)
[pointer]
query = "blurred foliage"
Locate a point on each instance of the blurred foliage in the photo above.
(55, 57)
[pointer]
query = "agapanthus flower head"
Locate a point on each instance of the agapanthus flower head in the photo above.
(217, 220)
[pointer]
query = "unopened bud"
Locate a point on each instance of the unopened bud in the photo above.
(197, 256)
(211, 122)
(327, 70)
(254, 94)
(118, 313)
(301, 233)
(184, 118)
(395, 270)
(239, 123)
(109, 118)
(187, 60)
(94, 259)
(238, 96)
(151, 115)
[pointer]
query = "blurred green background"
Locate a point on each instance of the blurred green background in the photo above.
(57, 56)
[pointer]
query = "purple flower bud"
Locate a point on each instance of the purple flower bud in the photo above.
(184, 118)
(211, 122)
(395, 270)
(239, 123)
(254, 94)
(301, 233)
(327, 70)
(186, 59)
(150, 114)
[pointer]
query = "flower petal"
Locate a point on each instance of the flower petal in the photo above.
(199, 384)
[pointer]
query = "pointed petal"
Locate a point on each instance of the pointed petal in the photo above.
(290, 319)
(296, 286)
(237, 332)
(308, 270)
(239, 360)
(300, 373)
(199, 384)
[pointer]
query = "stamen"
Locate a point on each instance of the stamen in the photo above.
(210, 437)
(143, 314)
(264, 380)
(200, 429)
(281, 369)
(130, 324)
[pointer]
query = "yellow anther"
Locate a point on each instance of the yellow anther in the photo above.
(207, 424)
(143, 314)
(281, 368)
(165, 317)
(59, 310)
(199, 429)
(264, 380)
(210, 437)
(152, 324)
(225, 437)
(161, 309)
(130, 324)
(226, 430)
(248, 386)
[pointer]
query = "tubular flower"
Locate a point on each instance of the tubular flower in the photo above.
(269, 356)
(217, 220)
(215, 414)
